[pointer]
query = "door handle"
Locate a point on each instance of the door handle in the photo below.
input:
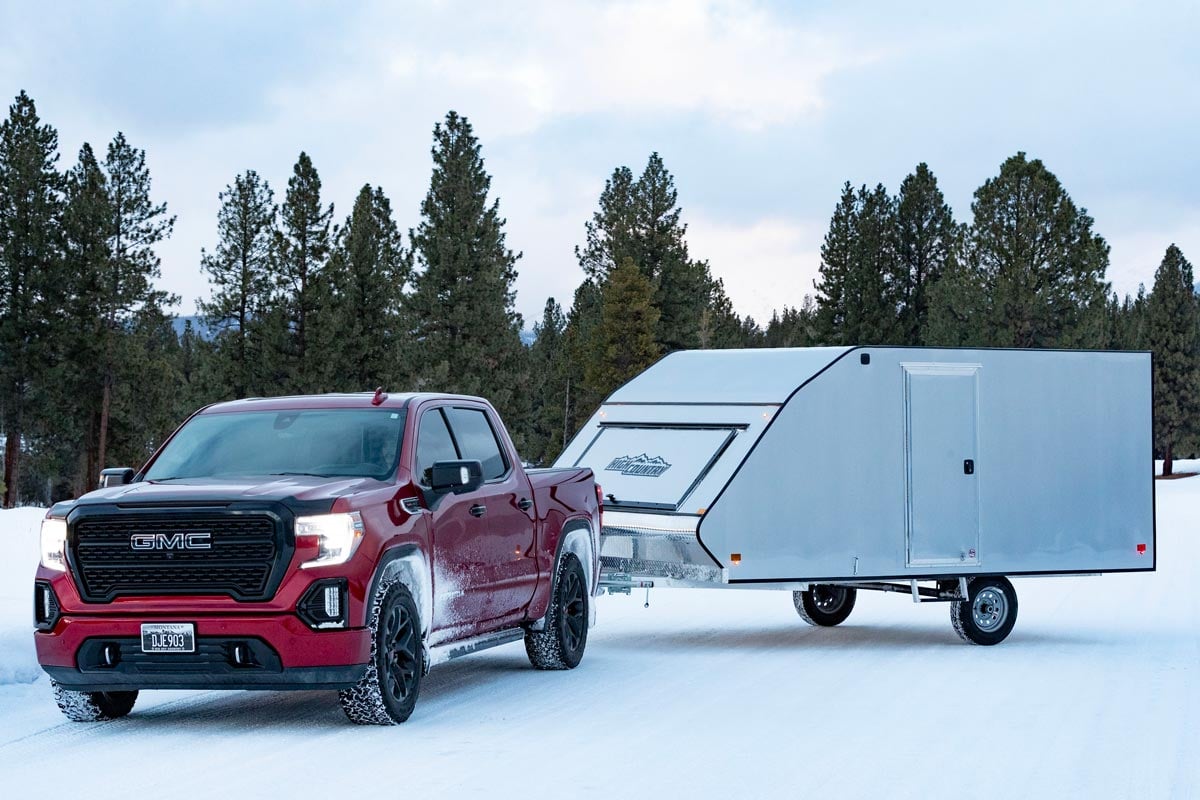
(478, 510)
(524, 504)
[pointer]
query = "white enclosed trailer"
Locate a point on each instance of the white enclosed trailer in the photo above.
(936, 472)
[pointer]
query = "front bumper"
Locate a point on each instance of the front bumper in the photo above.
(283, 654)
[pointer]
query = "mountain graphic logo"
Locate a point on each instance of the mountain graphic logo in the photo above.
(642, 466)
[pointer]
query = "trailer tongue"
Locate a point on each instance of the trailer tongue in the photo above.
(825, 471)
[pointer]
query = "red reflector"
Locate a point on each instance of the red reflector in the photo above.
(1141, 548)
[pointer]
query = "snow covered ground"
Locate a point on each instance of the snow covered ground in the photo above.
(1096, 694)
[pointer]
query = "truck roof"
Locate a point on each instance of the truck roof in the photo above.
(332, 400)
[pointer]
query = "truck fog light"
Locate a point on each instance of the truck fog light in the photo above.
(324, 606)
(333, 602)
(45, 607)
(112, 655)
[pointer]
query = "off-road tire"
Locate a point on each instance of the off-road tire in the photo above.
(560, 644)
(387, 692)
(825, 605)
(93, 706)
(988, 614)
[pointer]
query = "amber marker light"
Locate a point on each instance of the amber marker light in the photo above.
(735, 558)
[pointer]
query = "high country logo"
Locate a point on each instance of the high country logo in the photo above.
(643, 466)
(171, 541)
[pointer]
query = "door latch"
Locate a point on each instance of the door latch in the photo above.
(478, 510)
(524, 504)
(968, 466)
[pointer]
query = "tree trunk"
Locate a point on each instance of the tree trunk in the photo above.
(12, 464)
(1168, 458)
(102, 439)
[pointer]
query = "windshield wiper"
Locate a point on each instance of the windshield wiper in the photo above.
(302, 474)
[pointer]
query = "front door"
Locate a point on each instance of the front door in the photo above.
(942, 464)
(460, 533)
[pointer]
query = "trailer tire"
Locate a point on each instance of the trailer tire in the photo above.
(92, 706)
(988, 614)
(560, 644)
(825, 605)
(387, 692)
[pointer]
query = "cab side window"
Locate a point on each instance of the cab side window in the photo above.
(434, 444)
(477, 440)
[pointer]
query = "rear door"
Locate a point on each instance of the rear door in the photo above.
(460, 553)
(941, 461)
(507, 554)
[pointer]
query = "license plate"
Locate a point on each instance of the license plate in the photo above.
(168, 637)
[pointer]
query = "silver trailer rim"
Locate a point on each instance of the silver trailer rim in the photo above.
(989, 609)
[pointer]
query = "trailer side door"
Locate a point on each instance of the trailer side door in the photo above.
(941, 444)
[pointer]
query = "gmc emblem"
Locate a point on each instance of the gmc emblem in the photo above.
(171, 541)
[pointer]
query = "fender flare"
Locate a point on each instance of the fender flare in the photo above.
(408, 564)
(576, 538)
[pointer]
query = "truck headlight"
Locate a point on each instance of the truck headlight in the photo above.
(337, 537)
(54, 544)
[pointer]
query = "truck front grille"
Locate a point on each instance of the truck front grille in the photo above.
(164, 553)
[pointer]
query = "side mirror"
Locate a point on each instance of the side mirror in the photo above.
(456, 477)
(115, 476)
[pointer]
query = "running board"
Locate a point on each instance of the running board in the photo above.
(448, 652)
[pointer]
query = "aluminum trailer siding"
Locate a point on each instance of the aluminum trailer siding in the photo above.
(859, 464)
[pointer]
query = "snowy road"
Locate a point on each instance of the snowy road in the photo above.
(1095, 694)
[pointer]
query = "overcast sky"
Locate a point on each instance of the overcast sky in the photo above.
(761, 110)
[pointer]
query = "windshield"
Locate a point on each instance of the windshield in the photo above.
(323, 442)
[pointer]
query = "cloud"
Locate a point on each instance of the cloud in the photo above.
(1136, 253)
(734, 60)
(765, 264)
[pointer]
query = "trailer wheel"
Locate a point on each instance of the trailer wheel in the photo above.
(560, 644)
(825, 605)
(988, 614)
(92, 706)
(387, 692)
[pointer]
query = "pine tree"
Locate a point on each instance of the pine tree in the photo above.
(30, 257)
(625, 336)
(612, 232)
(136, 226)
(239, 269)
(465, 322)
(361, 324)
(302, 246)
(833, 287)
(1172, 316)
(793, 327)
(1041, 265)
(959, 314)
(548, 385)
(925, 237)
(584, 354)
(87, 237)
(682, 286)
(857, 294)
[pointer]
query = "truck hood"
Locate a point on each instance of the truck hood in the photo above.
(300, 491)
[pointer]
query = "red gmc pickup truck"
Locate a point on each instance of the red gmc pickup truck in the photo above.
(327, 542)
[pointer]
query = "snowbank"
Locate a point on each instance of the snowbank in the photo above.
(1179, 466)
(19, 529)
